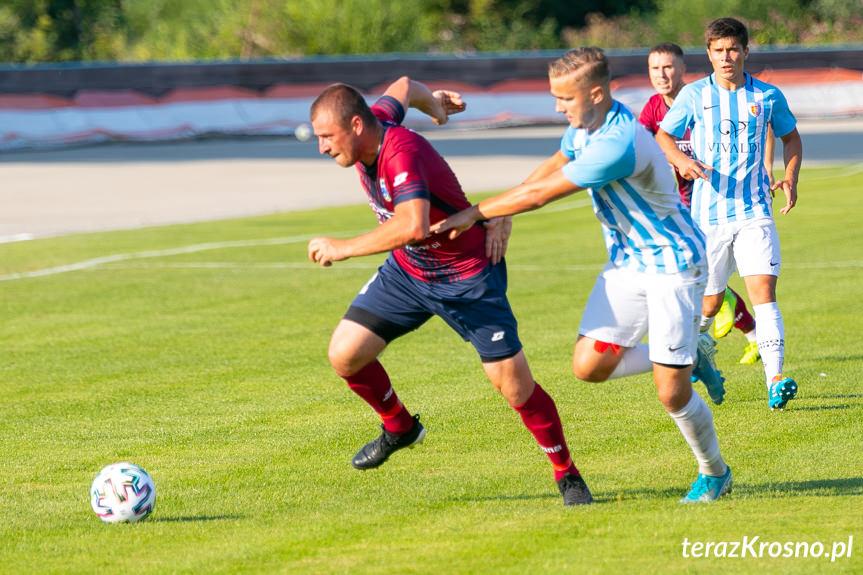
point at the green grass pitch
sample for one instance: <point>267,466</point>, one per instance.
<point>199,353</point>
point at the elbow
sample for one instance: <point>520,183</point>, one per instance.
<point>403,81</point>
<point>416,234</point>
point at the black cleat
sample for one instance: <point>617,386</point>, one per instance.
<point>374,453</point>
<point>574,490</point>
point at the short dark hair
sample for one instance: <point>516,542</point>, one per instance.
<point>727,28</point>
<point>588,61</point>
<point>667,48</point>
<point>344,102</point>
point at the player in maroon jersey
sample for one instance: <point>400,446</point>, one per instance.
<point>408,184</point>
<point>665,69</point>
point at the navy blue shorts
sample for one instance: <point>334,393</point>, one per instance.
<point>393,303</point>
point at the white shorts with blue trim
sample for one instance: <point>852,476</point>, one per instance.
<point>752,246</point>
<point>625,305</point>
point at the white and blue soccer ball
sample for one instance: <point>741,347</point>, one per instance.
<point>122,492</point>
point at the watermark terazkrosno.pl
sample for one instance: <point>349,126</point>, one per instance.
<point>756,548</point>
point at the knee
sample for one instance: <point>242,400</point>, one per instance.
<point>344,362</point>
<point>675,398</point>
<point>590,373</point>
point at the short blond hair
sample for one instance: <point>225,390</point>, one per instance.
<point>588,62</point>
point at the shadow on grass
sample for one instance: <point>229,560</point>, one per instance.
<point>841,358</point>
<point>820,407</point>
<point>796,404</point>
<point>197,518</point>
<point>816,487</point>
<point>819,487</point>
<point>787,489</point>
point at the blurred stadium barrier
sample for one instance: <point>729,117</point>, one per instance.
<point>46,106</point>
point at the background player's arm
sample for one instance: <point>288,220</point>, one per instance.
<point>687,167</point>
<point>438,105</point>
<point>408,225</point>
<point>769,152</point>
<point>792,151</point>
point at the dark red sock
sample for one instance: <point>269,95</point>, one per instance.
<point>539,415</point>
<point>743,320</point>
<point>373,384</point>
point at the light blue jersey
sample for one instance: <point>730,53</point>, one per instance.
<point>634,195</point>
<point>728,131</point>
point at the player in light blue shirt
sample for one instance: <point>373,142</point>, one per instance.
<point>728,114</point>
<point>655,277</point>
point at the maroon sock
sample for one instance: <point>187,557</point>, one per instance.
<point>743,320</point>
<point>373,384</point>
<point>540,416</point>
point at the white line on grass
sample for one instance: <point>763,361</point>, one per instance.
<point>364,266</point>
<point>96,262</point>
<point>105,261</point>
<point>102,261</point>
<point>16,238</point>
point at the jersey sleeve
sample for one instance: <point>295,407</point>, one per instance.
<point>388,109</point>
<point>605,159</point>
<point>648,116</point>
<point>404,176</point>
<point>566,143</point>
<point>679,117</point>
<point>782,120</point>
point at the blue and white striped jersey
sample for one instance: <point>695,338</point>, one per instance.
<point>728,131</point>
<point>634,195</point>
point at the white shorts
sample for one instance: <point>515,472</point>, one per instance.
<point>625,305</point>
<point>753,245</point>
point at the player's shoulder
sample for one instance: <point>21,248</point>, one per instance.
<point>619,129</point>
<point>690,89</point>
<point>400,140</point>
<point>652,106</point>
<point>654,101</point>
<point>765,87</point>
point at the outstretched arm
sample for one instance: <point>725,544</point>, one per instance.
<point>524,198</point>
<point>438,105</point>
<point>498,230</point>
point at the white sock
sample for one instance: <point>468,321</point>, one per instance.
<point>696,424</point>
<point>770,335</point>
<point>705,324</point>
<point>633,360</point>
<point>750,336</point>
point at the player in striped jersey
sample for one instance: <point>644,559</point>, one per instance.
<point>665,70</point>
<point>655,277</point>
<point>728,114</point>
<point>463,281</point>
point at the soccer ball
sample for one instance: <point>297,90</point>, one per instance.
<point>303,132</point>
<point>122,492</point>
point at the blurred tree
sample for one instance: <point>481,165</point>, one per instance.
<point>473,25</point>
<point>354,26</point>
<point>135,30</point>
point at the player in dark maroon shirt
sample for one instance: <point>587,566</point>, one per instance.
<point>665,69</point>
<point>408,184</point>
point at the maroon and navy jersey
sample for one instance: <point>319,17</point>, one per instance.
<point>408,167</point>
<point>651,116</point>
